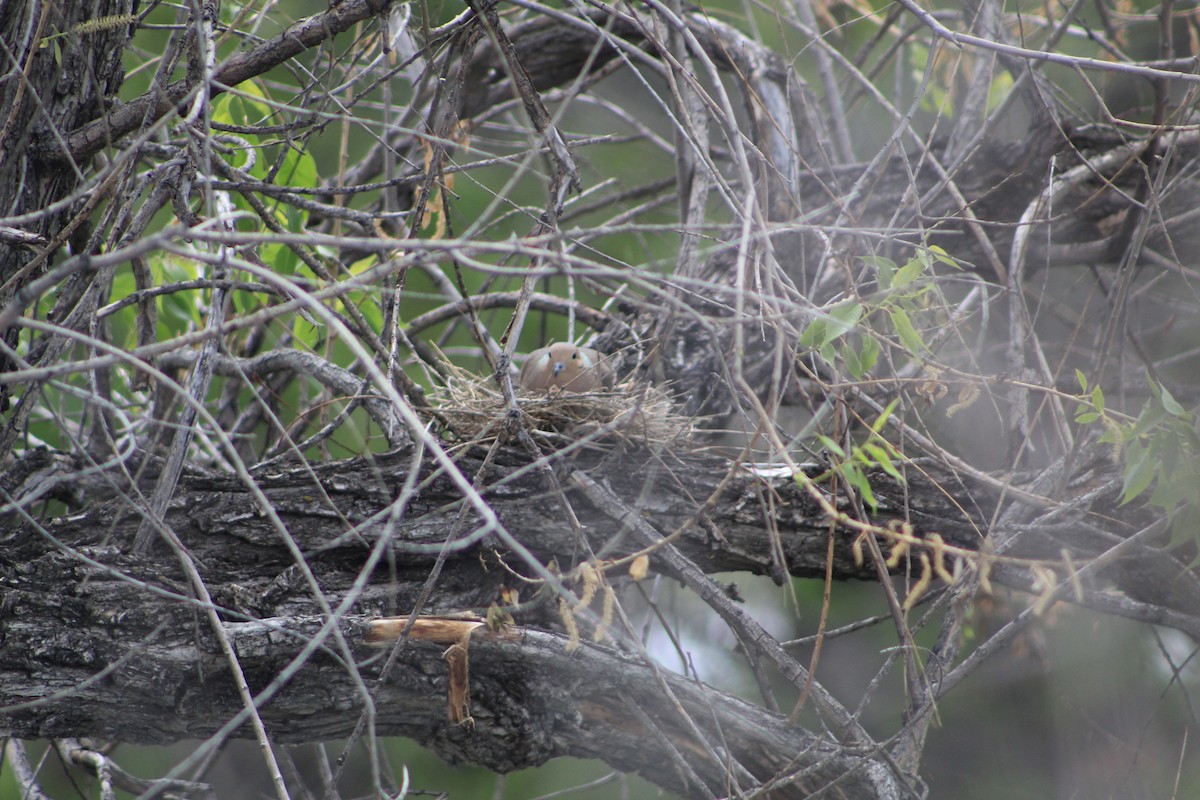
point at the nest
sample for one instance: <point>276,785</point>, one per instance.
<point>473,411</point>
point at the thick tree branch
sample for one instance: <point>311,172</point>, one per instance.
<point>108,676</point>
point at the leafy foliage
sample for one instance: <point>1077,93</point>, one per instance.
<point>1160,450</point>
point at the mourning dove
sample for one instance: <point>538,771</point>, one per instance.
<point>567,367</point>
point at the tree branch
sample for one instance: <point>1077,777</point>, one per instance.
<point>84,142</point>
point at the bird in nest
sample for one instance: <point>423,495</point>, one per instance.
<point>566,368</point>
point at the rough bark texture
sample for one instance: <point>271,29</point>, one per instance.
<point>163,685</point>
<point>339,510</point>
<point>100,642</point>
<point>103,643</point>
<point>60,87</point>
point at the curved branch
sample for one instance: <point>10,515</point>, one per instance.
<point>310,32</point>
<point>593,318</point>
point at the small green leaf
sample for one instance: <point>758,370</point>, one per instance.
<point>942,256</point>
<point>368,306</point>
<point>857,479</point>
<point>845,316</point>
<point>885,268</point>
<point>1082,381</point>
<point>1168,494</point>
<point>1171,404</point>
<point>833,447</point>
<point>853,362</point>
<point>1139,471</point>
<point>822,332</point>
<point>884,416</point>
<point>882,459</point>
<point>908,273</point>
<point>869,354</point>
<point>906,331</point>
<point>814,334</point>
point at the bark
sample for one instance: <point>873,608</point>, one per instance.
<point>163,685</point>
<point>101,642</point>
<point>104,643</point>
<point>339,510</point>
<point>49,92</point>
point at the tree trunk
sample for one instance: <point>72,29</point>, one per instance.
<point>61,74</point>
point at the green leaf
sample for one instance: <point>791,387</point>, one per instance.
<point>906,331</point>
<point>309,331</point>
<point>853,362</point>
<point>909,273</point>
<point>942,256</point>
<point>281,258</point>
<point>1171,404</point>
<point>1167,452</point>
<point>1191,438</point>
<point>823,331</point>
<point>814,334</point>
<point>869,354</point>
<point>882,458</point>
<point>368,306</point>
<point>885,269</point>
<point>884,416</point>
<point>1139,471</point>
<point>1152,414</point>
<point>1082,381</point>
<point>241,108</point>
<point>1169,494</point>
<point>879,263</point>
<point>1185,527</point>
<point>833,447</point>
<point>845,315</point>
<point>857,479</point>
<point>862,359</point>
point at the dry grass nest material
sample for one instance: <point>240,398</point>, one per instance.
<point>629,414</point>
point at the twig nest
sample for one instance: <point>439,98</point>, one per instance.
<point>627,414</point>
